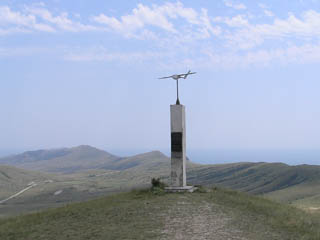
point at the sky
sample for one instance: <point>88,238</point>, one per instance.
<point>86,72</point>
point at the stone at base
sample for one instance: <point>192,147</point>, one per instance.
<point>181,189</point>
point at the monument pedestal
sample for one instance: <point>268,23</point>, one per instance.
<point>181,189</point>
<point>178,150</point>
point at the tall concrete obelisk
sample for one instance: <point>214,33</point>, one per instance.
<point>178,146</point>
<point>178,181</point>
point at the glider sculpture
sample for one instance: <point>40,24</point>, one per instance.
<point>177,77</point>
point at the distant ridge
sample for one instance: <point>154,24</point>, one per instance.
<point>65,160</point>
<point>149,160</point>
<point>83,157</point>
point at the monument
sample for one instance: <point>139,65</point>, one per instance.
<point>178,181</point>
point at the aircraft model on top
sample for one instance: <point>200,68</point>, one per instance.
<point>177,77</point>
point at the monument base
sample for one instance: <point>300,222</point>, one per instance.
<point>181,189</point>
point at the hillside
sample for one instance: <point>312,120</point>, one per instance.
<point>217,214</point>
<point>298,185</point>
<point>256,178</point>
<point>64,160</point>
<point>65,187</point>
<point>146,161</point>
<point>13,179</point>
<point>81,158</point>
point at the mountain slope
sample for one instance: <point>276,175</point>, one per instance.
<point>13,179</point>
<point>135,172</point>
<point>70,160</point>
<point>61,160</point>
<point>257,178</point>
<point>149,160</point>
<point>217,214</point>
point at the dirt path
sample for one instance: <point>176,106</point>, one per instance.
<point>189,220</point>
<point>18,193</point>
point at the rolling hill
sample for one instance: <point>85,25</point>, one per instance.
<point>81,158</point>
<point>65,160</point>
<point>256,178</point>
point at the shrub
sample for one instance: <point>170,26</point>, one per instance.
<point>201,189</point>
<point>156,183</point>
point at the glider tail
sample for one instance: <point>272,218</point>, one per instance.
<point>186,75</point>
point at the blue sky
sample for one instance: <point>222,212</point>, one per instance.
<point>85,72</point>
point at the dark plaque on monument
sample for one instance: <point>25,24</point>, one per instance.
<point>176,142</point>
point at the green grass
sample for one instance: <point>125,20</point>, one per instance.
<point>122,216</point>
<point>287,220</point>
<point>141,215</point>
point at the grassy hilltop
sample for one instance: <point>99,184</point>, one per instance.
<point>144,214</point>
<point>83,173</point>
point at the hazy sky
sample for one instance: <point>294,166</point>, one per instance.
<point>85,72</point>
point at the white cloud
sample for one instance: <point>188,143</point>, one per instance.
<point>206,23</point>
<point>161,17</point>
<point>13,22</point>
<point>266,10</point>
<point>179,33</point>
<point>38,19</point>
<point>268,13</point>
<point>10,17</point>
<point>236,21</point>
<point>103,54</point>
<point>208,59</point>
<point>303,54</point>
<point>306,27</point>
<point>238,6</point>
<point>141,16</point>
<point>262,5</point>
<point>61,21</point>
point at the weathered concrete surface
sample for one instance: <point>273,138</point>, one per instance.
<point>178,146</point>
